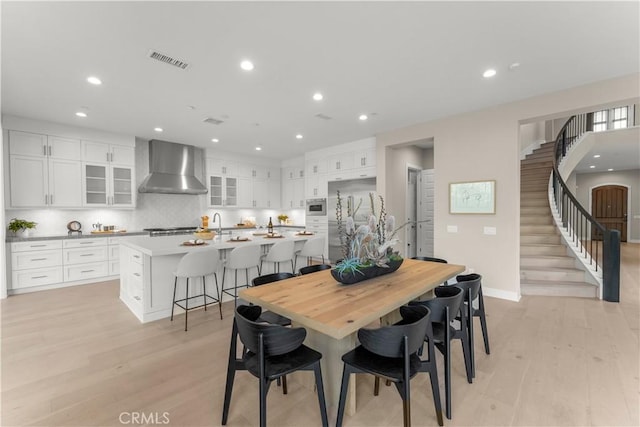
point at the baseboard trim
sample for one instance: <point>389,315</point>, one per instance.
<point>633,241</point>
<point>499,293</point>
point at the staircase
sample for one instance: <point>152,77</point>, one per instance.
<point>545,266</point>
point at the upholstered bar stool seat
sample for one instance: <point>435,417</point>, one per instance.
<point>312,247</point>
<point>240,258</point>
<point>203,263</point>
<point>279,253</point>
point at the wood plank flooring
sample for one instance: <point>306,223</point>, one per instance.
<point>78,357</point>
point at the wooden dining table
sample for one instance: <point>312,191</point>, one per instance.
<point>332,312</point>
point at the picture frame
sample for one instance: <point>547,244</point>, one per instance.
<point>473,197</point>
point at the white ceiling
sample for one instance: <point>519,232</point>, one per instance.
<point>618,150</point>
<point>401,63</point>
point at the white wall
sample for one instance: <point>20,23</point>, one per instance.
<point>484,145</point>
<point>585,182</point>
<point>532,135</point>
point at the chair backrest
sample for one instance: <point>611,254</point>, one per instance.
<point>470,283</point>
<point>446,296</point>
<point>269,278</point>
<point>202,262</point>
<point>313,268</point>
<point>313,247</point>
<point>276,339</point>
<point>428,258</point>
<point>388,341</point>
<point>244,256</point>
<point>281,251</point>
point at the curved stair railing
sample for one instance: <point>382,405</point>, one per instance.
<point>579,224</point>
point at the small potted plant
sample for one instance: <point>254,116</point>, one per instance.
<point>283,218</point>
<point>21,227</point>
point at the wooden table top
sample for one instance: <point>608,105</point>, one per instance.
<point>318,302</point>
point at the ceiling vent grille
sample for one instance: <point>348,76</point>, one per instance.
<point>323,116</point>
<point>154,54</point>
<point>212,121</point>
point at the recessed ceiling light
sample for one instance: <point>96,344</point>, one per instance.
<point>94,80</point>
<point>158,129</point>
<point>489,73</point>
<point>592,167</point>
<point>363,117</point>
<point>246,65</point>
<point>81,114</point>
<point>215,140</point>
<point>595,156</point>
<point>514,65</point>
<point>317,96</point>
<point>609,170</point>
<point>258,148</point>
<point>298,136</point>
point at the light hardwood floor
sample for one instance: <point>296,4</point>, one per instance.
<point>78,357</point>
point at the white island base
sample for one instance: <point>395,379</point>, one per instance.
<point>147,265</point>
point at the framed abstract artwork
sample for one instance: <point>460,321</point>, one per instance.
<point>476,197</point>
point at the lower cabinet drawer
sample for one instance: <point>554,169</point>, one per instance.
<point>82,255</point>
<point>36,277</point>
<point>85,271</point>
<point>36,259</point>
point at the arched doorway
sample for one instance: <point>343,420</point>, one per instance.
<point>609,208</point>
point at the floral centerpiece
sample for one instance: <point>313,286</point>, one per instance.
<point>367,248</point>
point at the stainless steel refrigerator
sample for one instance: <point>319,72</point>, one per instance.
<point>353,190</point>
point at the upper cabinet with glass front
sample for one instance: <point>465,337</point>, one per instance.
<point>108,175</point>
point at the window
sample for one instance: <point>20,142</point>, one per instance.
<point>600,120</point>
<point>620,115</point>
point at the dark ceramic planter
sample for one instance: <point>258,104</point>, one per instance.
<point>365,273</point>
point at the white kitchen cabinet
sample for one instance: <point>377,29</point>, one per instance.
<point>364,158</point>
<point>108,185</point>
<point>35,264</point>
<point>222,167</point>
<point>45,171</point>
<point>100,152</point>
<point>316,186</point>
<point>316,167</point>
<point>229,191</point>
<point>266,188</point>
<point>293,194</point>
<point>245,193</point>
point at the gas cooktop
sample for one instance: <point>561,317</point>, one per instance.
<point>170,231</point>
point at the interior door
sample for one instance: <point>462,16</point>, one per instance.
<point>609,208</point>
<point>412,212</point>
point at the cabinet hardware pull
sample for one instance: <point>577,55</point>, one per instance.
<point>86,271</point>
<point>44,150</point>
<point>86,243</point>
<point>137,256</point>
<point>49,150</point>
<point>51,199</point>
<point>38,277</point>
<point>39,259</point>
<point>37,246</point>
<point>136,274</point>
<point>87,254</point>
<point>137,297</point>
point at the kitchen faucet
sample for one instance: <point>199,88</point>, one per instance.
<point>216,214</point>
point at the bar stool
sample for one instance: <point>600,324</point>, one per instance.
<point>312,247</point>
<point>202,263</point>
<point>240,258</point>
<point>279,252</point>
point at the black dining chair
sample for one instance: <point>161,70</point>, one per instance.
<point>313,268</point>
<point>472,285</point>
<point>270,352</point>
<point>444,308</point>
<point>390,352</point>
<point>269,316</point>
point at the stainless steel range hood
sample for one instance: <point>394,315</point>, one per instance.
<point>172,169</point>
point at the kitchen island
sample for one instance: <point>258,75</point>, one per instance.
<point>147,265</point>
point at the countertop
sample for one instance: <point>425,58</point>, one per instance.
<point>10,238</point>
<point>170,245</point>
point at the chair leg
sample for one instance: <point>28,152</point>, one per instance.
<point>376,386</point>
<point>186,304</point>
<point>483,322</point>
<point>406,412</point>
<point>435,387</point>
<point>466,351</point>
<point>343,395</point>
<point>284,384</point>
<point>175,285</point>
<point>235,288</point>
<point>231,372</point>
<point>320,390</point>
<point>447,378</point>
<point>263,403</point>
<point>215,276</point>
<point>204,291</point>
<point>472,355</point>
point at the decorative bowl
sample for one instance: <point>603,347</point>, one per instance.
<point>205,235</point>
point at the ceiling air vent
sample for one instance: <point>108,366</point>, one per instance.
<point>154,54</point>
<point>323,116</point>
<point>212,121</point>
